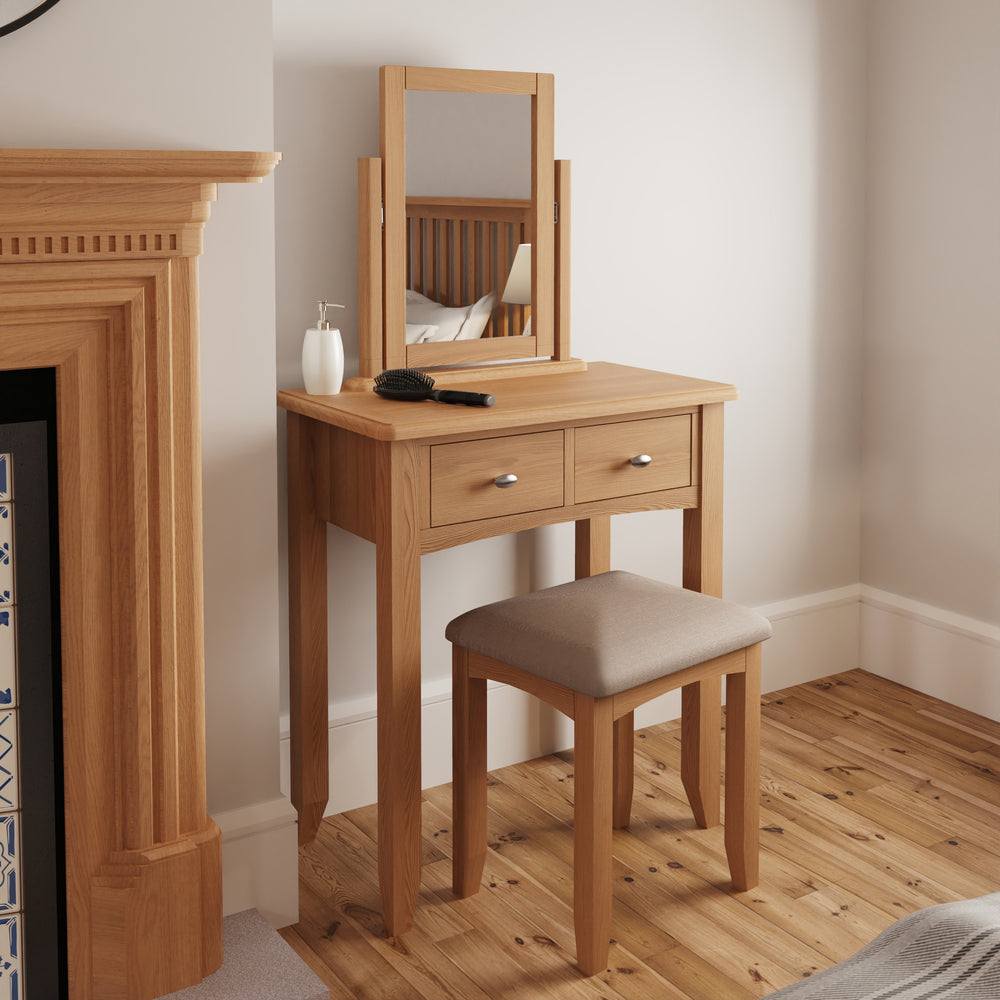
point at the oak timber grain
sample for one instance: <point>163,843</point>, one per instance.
<point>463,477</point>
<point>601,391</point>
<point>543,244</point>
<point>392,150</point>
<point>307,630</point>
<point>743,771</point>
<point>370,347</point>
<point>397,557</point>
<point>603,457</point>
<point>592,823</point>
<point>561,263</point>
<point>445,536</point>
<point>593,546</point>
<point>467,352</point>
<point>137,166</point>
<point>469,756</point>
<point>702,571</point>
<point>117,318</point>
<point>478,81</point>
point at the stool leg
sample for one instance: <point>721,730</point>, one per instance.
<point>593,768</point>
<point>624,769</point>
<point>701,759</point>
<point>743,772</point>
<point>469,775</point>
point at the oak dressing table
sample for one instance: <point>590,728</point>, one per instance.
<point>583,441</point>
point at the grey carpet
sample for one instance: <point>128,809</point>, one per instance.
<point>257,965</point>
<point>948,951</point>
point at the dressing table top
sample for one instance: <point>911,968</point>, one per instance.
<point>602,390</point>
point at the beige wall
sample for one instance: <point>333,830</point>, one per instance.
<point>931,510</point>
<point>931,527</point>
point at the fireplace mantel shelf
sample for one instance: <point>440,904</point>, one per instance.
<point>98,280</point>
<point>135,165</point>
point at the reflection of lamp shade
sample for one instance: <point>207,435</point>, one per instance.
<point>518,290</point>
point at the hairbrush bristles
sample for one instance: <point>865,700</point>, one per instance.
<point>405,379</point>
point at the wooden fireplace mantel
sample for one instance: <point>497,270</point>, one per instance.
<point>113,204</point>
<point>98,280</point>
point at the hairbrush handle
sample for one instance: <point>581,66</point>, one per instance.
<point>458,396</point>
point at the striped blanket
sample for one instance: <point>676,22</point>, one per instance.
<point>949,951</point>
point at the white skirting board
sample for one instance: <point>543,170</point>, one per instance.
<point>941,653</point>
<point>814,635</point>
<point>260,857</point>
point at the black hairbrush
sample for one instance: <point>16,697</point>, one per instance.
<point>409,383</point>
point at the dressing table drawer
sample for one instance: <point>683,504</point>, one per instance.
<point>469,479</point>
<point>611,459</point>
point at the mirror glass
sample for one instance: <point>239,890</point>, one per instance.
<point>465,146</point>
<point>468,145</point>
<point>468,176</point>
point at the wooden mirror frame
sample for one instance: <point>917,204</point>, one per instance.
<point>382,249</point>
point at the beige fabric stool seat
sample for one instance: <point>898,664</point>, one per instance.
<point>596,649</point>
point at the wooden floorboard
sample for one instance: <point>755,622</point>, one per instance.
<point>876,800</point>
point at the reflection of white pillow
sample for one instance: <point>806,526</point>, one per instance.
<point>479,316</point>
<point>422,311</point>
<point>421,333</point>
<point>449,323</point>
<point>416,299</point>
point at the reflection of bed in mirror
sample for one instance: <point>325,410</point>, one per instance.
<point>459,253</point>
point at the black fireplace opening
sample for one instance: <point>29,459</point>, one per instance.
<point>28,437</point>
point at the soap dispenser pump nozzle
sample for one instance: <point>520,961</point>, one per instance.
<point>324,323</point>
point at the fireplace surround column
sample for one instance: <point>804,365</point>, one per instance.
<point>98,280</point>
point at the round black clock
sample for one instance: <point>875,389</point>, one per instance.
<point>16,14</point>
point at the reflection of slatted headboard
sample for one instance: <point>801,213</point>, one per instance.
<point>459,249</point>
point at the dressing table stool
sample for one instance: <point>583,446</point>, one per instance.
<point>596,649</point>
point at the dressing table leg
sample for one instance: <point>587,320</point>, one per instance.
<point>397,569</point>
<point>593,546</point>
<point>307,625</point>
<point>701,703</point>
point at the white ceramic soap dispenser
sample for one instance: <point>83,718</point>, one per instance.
<point>323,356</point>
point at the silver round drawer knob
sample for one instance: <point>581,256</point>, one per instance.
<point>506,480</point>
<point>640,460</point>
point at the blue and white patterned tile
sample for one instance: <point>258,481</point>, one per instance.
<point>9,776</point>
<point>10,864</point>
<point>6,553</point>
<point>11,949</point>
<point>8,675</point>
<point>6,482</point>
